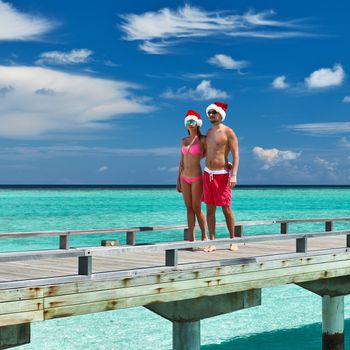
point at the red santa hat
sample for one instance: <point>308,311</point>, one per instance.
<point>220,107</point>
<point>193,115</point>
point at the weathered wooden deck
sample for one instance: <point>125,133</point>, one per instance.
<point>108,261</point>
<point>44,285</point>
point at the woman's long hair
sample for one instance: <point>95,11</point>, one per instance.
<point>199,133</point>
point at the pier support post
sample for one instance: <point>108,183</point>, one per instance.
<point>332,323</point>
<point>332,291</point>
<point>186,335</point>
<point>14,335</point>
<point>186,314</point>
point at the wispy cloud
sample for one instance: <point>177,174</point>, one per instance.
<point>326,77</point>
<point>102,169</point>
<point>5,90</point>
<point>344,142</point>
<point>199,75</point>
<point>227,62</point>
<point>53,101</point>
<point>74,56</point>
<point>346,99</point>
<point>159,30</point>
<point>203,91</point>
<point>279,83</point>
<point>322,128</point>
<point>15,25</point>
<point>55,151</point>
<point>327,165</point>
<point>166,169</point>
<point>273,156</point>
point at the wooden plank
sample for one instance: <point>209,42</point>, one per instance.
<point>73,232</point>
<point>180,286</point>
<point>21,317</point>
<point>115,304</point>
<point>160,228</point>
<point>21,294</point>
<point>284,227</point>
<point>64,241</point>
<point>131,238</point>
<point>21,306</point>
<point>209,269</point>
<point>219,241</point>
<point>130,273</point>
<point>41,254</point>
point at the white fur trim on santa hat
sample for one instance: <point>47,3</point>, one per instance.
<point>194,117</point>
<point>218,109</point>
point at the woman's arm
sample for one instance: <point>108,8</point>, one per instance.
<point>181,166</point>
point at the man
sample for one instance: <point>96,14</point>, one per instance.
<point>218,182</point>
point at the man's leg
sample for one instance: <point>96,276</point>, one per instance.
<point>211,209</point>
<point>230,222</point>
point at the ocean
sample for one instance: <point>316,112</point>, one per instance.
<point>289,317</point>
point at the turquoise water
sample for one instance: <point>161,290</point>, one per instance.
<point>289,317</point>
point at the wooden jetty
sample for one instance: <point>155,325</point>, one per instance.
<point>176,280</point>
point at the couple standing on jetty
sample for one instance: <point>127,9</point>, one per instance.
<point>214,187</point>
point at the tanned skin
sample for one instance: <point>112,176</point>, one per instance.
<point>220,141</point>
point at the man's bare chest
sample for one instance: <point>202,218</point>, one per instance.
<point>216,140</point>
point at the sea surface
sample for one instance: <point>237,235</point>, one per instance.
<point>289,317</point>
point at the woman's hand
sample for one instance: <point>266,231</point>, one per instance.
<point>178,187</point>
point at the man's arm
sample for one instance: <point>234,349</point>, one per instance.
<point>204,145</point>
<point>233,146</point>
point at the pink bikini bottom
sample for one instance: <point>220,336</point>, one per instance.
<point>191,180</point>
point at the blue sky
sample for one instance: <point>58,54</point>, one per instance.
<point>95,92</point>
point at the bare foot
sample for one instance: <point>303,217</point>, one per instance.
<point>233,247</point>
<point>204,238</point>
<point>210,249</point>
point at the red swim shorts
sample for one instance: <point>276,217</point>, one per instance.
<point>216,189</point>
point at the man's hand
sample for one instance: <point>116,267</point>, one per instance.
<point>228,166</point>
<point>232,181</point>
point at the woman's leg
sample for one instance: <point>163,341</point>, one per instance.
<point>191,219</point>
<point>197,192</point>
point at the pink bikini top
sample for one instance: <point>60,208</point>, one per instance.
<point>191,149</point>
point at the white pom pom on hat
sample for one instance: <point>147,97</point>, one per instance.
<point>193,115</point>
<point>220,107</point>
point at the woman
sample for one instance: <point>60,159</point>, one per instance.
<point>190,181</point>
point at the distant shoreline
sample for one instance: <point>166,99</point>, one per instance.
<point>108,187</point>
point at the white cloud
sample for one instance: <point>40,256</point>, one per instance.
<point>227,62</point>
<point>271,35</point>
<point>103,169</point>
<point>271,157</point>
<point>326,77</point>
<point>322,128</point>
<point>199,75</point>
<point>346,99</point>
<point>280,83</point>
<point>344,142</point>
<point>15,25</point>
<point>154,48</point>
<point>170,170</point>
<point>55,151</point>
<point>52,101</point>
<point>166,27</point>
<point>329,166</point>
<point>72,57</point>
<point>203,91</point>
